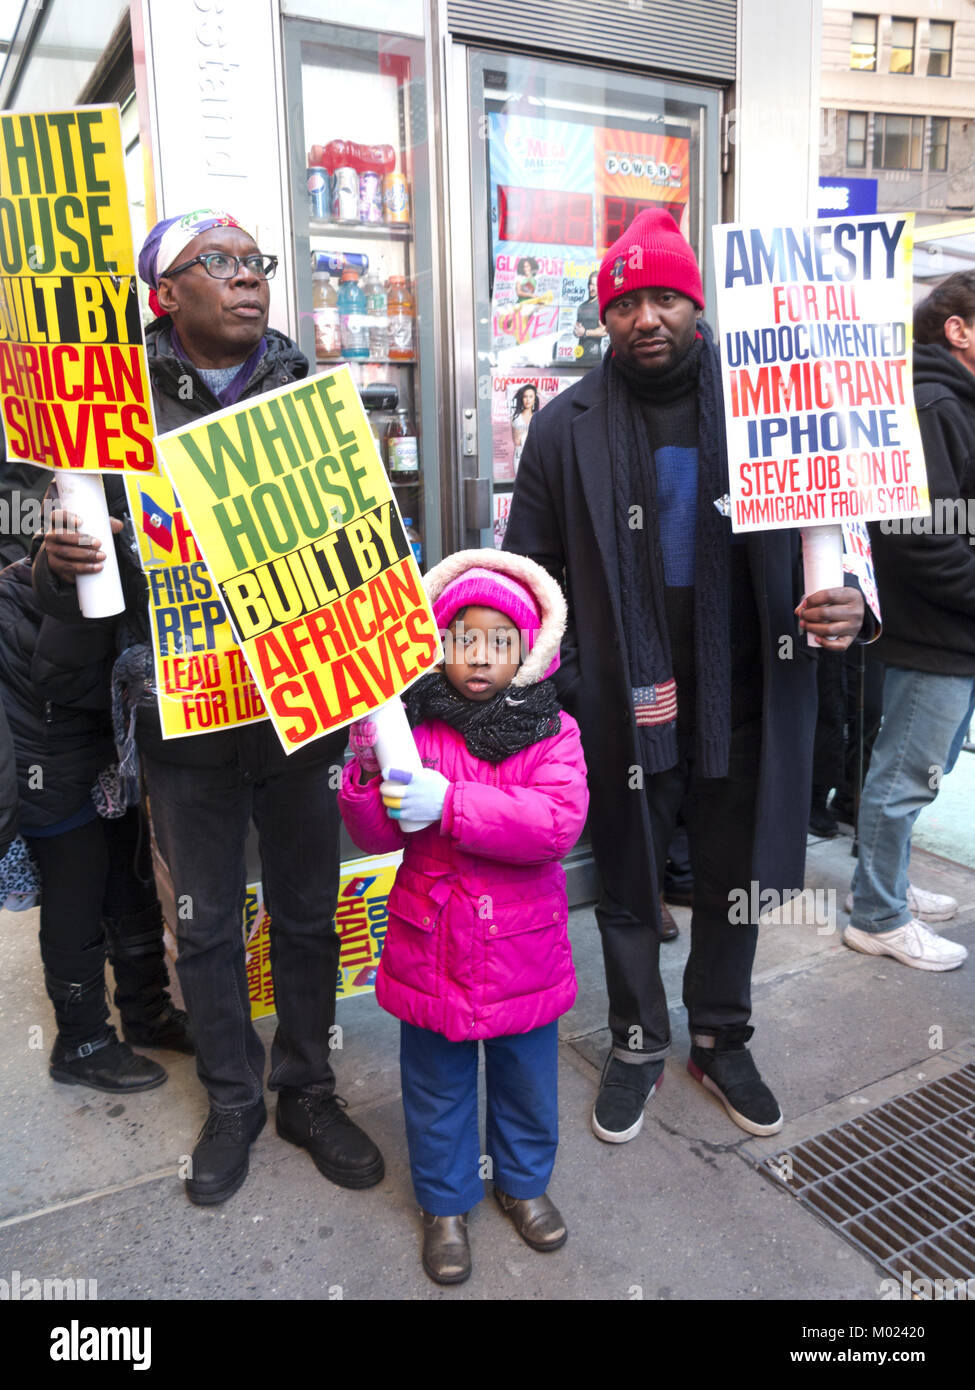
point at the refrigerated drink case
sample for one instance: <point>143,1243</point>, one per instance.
<point>356,97</point>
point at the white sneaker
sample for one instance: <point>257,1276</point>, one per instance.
<point>911,944</point>
<point>936,907</point>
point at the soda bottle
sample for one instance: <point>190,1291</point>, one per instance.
<point>374,290</point>
<point>328,335</point>
<point>413,536</point>
<point>369,160</point>
<point>401,315</point>
<point>319,184</point>
<point>352,316</point>
<point>402,450</point>
<point>340,158</point>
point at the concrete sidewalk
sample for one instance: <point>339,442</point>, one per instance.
<point>89,1186</point>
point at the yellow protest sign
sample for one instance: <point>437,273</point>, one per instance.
<point>72,360</point>
<point>361,919</point>
<point>202,680</point>
<point>296,520</point>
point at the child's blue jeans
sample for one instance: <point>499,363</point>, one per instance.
<point>439,1081</point>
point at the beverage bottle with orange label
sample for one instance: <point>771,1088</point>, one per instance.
<point>401,313</point>
<point>325,305</point>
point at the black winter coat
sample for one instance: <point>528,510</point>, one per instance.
<point>562,515</point>
<point>181,396</point>
<point>927,581</point>
<point>54,683</point>
<point>8,786</point>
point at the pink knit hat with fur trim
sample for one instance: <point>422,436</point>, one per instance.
<point>484,588</point>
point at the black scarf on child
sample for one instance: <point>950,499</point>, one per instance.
<point>641,564</point>
<point>492,729</point>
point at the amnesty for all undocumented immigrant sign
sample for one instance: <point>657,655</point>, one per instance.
<point>815,338</point>
<point>294,514</point>
<point>72,361</point>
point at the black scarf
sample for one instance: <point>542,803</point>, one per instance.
<point>640,559</point>
<point>492,729</point>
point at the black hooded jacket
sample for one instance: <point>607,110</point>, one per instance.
<point>926,571</point>
<point>54,686</point>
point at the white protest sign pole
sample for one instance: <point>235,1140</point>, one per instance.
<point>822,561</point>
<point>99,595</point>
<point>396,748</point>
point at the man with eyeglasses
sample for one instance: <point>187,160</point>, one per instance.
<point>211,347</point>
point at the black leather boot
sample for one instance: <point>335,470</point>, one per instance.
<point>138,956</point>
<point>100,1061</point>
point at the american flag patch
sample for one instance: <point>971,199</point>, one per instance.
<point>656,704</point>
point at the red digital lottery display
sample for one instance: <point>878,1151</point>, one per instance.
<point>545,216</point>
<point>619,212</point>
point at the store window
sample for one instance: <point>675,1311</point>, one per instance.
<point>863,46</point>
<point>902,45</point>
<point>564,158</point>
<point>898,142</point>
<point>939,56</point>
<point>856,139</point>
<point>938,157</point>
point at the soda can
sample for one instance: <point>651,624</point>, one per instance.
<point>396,198</point>
<point>334,262</point>
<point>370,196</point>
<point>319,200</point>
<point>345,195</point>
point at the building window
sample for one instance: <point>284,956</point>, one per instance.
<point>898,142</point>
<point>938,158</point>
<point>863,46</point>
<point>856,139</point>
<point>939,57</point>
<point>902,45</point>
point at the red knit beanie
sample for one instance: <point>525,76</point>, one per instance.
<point>651,252</point>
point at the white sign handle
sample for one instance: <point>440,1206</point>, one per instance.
<point>396,748</point>
<point>99,595</point>
<point>822,561</point>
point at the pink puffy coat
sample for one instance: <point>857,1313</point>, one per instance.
<point>477,945</point>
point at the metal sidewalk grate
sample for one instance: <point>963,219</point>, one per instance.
<point>899,1183</point>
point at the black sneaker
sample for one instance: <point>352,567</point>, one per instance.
<point>624,1089</point>
<point>341,1150</point>
<point>729,1072</point>
<point>822,823</point>
<point>220,1159</point>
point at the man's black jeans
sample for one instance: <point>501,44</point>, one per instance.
<point>720,817</point>
<point>201,817</point>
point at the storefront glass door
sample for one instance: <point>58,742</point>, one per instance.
<point>563,157</point>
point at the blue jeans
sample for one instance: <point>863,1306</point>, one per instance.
<point>201,816</point>
<point>439,1079</point>
<point>926,718</point>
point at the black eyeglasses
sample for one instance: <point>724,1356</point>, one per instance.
<point>223,267</point>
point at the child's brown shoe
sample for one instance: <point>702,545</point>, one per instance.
<point>536,1219</point>
<point>446,1249</point>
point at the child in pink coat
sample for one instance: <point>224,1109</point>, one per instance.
<point>477,946</point>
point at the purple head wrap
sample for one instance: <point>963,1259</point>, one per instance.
<point>163,245</point>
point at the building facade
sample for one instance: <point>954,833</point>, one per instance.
<point>898,108</point>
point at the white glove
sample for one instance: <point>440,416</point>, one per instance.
<point>415,796</point>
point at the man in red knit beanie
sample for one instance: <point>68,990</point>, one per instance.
<point>671,665</point>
